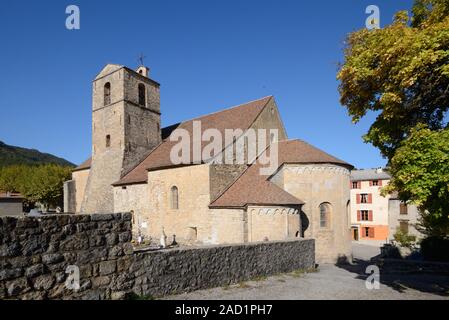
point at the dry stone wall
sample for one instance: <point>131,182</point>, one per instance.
<point>35,254</point>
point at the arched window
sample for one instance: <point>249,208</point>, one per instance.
<point>142,95</point>
<point>174,201</point>
<point>325,215</point>
<point>108,141</point>
<point>107,93</point>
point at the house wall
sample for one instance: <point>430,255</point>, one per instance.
<point>135,199</point>
<point>11,207</point>
<point>194,198</point>
<point>378,206</point>
<point>317,184</point>
<point>227,226</point>
<point>80,178</point>
<point>395,218</point>
<point>272,223</point>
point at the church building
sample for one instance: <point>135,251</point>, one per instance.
<point>206,202</point>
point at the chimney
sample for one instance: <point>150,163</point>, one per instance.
<point>144,71</point>
<point>379,170</point>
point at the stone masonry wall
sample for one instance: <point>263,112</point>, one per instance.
<point>35,254</point>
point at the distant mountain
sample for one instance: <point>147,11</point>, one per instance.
<point>10,155</point>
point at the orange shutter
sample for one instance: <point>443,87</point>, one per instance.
<point>358,198</point>
<point>371,232</point>
<point>370,215</point>
<point>370,198</point>
<point>359,215</point>
<point>359,184</point>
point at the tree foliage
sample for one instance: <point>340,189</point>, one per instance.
<point>420,172</point>
<point>42,183</point>
<point>400,72</point>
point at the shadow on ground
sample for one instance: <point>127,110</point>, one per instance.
<point>429,283</point>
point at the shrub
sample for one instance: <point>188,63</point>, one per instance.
<point>435,249</point>
<point>404,239</point>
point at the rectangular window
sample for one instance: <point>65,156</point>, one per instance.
<point>375,183</point>
<point>403,208</point>
<point>367,233</point>
<point>364,215</point>
<point>403,226</point>
<point>363,198</point>
<point>355,185</point>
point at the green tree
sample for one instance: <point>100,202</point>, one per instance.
<point>12,178</point>
<point>43,183</point>
<point>401,72</point>
<point>420,171</point>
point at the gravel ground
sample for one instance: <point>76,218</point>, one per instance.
<point>330,283</point>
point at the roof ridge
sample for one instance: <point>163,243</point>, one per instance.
<point>319,149</point>
<point>219,111</point>
<point>244,171</point>
<point>230,185</point>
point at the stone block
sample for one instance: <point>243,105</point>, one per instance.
<point>44,282</point>
<point>18,286</point>
<point>10,249</point>
<point>102,217</point>
<point>107,267</point>
<point>52,258</point>
<point>9,274</point>
<point>34,271</point>
<point>111,239</point>
<point>101,281</point>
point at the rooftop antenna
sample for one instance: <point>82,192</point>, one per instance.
<point>141,58</point>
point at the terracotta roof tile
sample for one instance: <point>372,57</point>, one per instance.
<point>12,195</point>
<point>239,117</point>
<point>83,166</point>
<point>298,151</point>
<point>253,188</point>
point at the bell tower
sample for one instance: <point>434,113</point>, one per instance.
<point>125,127</point>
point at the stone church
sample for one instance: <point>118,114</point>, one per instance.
<point>130,170</point>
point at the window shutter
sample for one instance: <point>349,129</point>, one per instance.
<point>370,215</point>
<point>370,183</point>
<point>359,215</point>
<point>358,198</point>
<point>359,184</point>
<point>350,184</point>
<point>371,232</point>
<point>380,183</point>
<point>370,198</point>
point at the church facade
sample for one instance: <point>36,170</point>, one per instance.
<point>207,202</point>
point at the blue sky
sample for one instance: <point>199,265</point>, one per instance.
<point>207,55</point>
